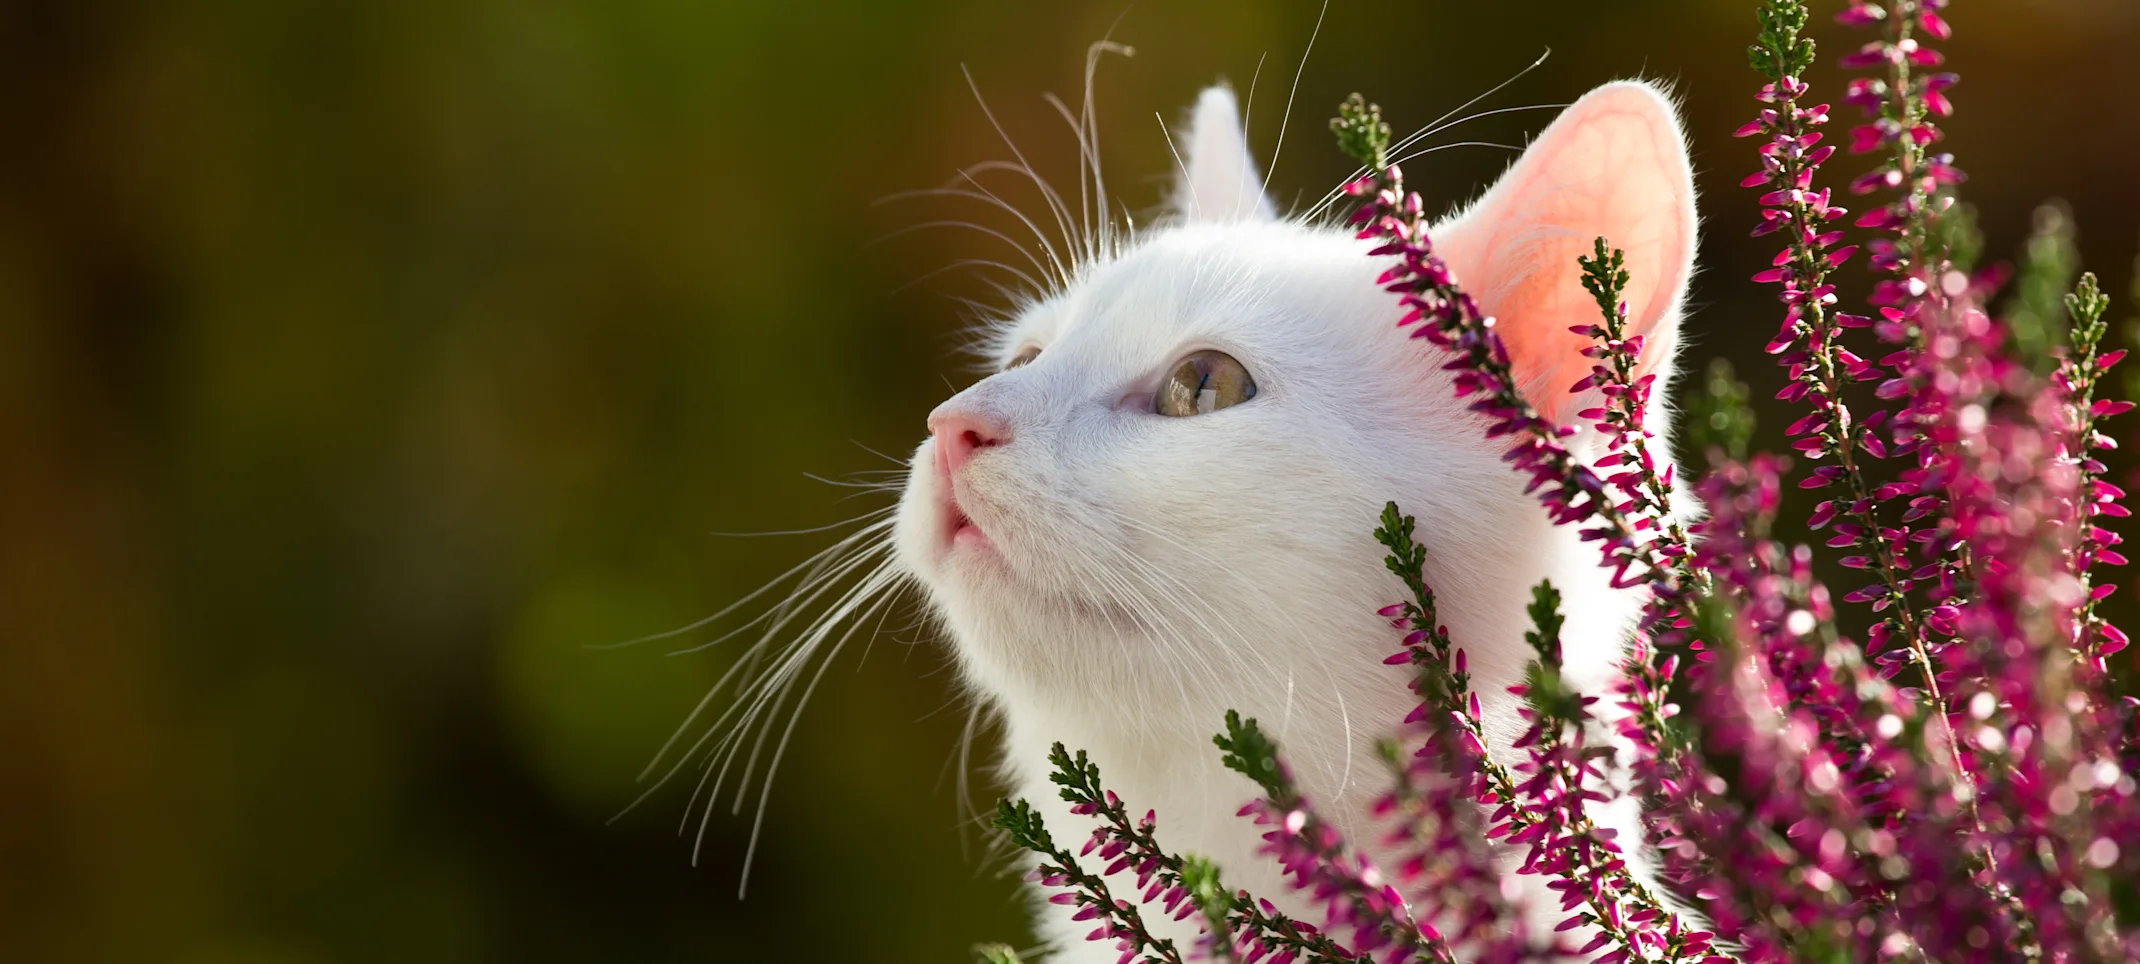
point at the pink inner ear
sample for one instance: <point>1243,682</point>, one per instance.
<point>1612,165</point>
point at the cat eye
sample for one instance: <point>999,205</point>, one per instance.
<point>1024,357</point>
<point>1203,383</point>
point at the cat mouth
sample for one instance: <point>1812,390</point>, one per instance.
<point>959,528</point>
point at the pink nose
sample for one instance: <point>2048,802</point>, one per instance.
<point>960,434</point>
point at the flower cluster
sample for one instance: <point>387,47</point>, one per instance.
<point>1959,785</point>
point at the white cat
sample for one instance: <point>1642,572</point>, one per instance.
<point>1161,505</point>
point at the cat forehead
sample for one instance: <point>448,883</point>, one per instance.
<point>1232,282</point>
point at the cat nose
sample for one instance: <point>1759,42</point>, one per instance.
<point>959,434</point>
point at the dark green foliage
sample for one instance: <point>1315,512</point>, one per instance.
<point>1406,556</point>
<point>1545,615</point>
<point>1781,52</point>
<point>1440,681</point>
<point>1544,690</point>
<point>2085,307</point>
<point>1078,776</point>
<point>1605,277</point>
<point>1361,134</point>
<point>1255,756</point>
<point>1025,827</point>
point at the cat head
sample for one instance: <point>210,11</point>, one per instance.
<point>1165,493</point>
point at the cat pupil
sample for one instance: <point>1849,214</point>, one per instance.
<point>1203,383</point>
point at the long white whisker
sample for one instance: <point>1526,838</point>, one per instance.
<point>1424,151</point>
<point>902,464</point>
<point>968,812</point>
<point>1085,161</point>
<point>1344,715</point>
<point>1063,265</point>
<point>750,851</point>
<point>742,665</point>
<point>761,689</point>
<point>974,263</point>
<point>767,687</point>
<point>965,225</point>
<point>1055,201</point>
<point>1331,196</point>
<point>1196,208</point>
<point>827,527</point>
<point>685,757</point>
<point>1090,112</point>
<point>785,611</point>
<point>866,487</point>
<point>978,193</point>
<point>871,644</point>
<point>866,599</point>
<point>1435,125</point>
<point>1430,131</point>
<point>1495,89</point>
<point>1248,108</point>
<point>1287,118</point>
<point>732,607</point>
<point>753,693</point>
<point>775,685</point>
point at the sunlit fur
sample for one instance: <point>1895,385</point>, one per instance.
<point>1144,574</point>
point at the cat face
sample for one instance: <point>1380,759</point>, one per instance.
<point>1097,519</point>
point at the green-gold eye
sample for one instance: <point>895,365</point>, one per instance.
<point>1024,357</point>
<point>1203,383</point>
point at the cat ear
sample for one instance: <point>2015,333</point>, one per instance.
<point>1614,165</point>
<point>1218,180</point>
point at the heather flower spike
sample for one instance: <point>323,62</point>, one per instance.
<point>1237,925</point>
<point>2080,371</point>
<point>1118,919</point>
<point>1810,344</point>
<point>1354,894</point>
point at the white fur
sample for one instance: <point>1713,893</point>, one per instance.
<point>1145,573</point>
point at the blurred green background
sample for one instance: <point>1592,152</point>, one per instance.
<point>361,365</point>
